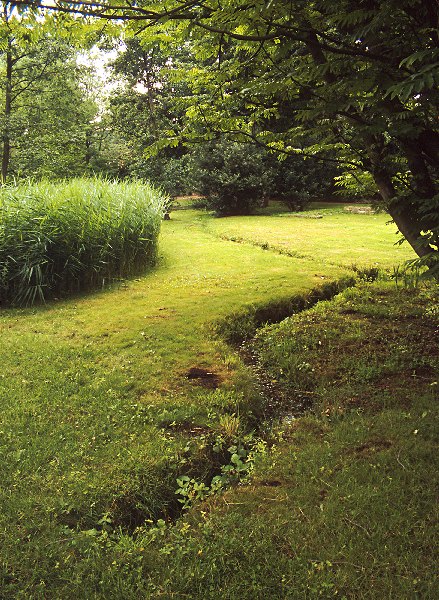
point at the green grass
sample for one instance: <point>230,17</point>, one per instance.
<point>62,238</point>
<point>338,237</point>
<point>98,417</point>
<point>344,504</point>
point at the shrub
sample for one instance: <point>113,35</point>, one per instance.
<point>238,177</point>
<point>231,175</point>
<point>57,239</point>
<point>296,181</point>
<point>169,173</point>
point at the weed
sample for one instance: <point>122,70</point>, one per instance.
<point>229,425</point>
<point>241,460</point>
<point>408,276</point>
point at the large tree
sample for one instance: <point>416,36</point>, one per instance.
<point>144,108</point>
<point>359,77</point>
<point>47,111</point>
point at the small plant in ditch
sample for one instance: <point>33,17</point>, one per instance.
<point>236,458</point>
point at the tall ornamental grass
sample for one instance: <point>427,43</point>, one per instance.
<point>61,238</point>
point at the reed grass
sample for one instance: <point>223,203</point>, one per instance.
<point>61,238</point>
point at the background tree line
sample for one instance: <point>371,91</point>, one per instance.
<point>347,83</point>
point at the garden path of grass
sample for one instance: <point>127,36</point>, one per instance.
<point>86,386</point>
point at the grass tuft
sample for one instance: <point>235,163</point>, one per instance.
<point>61,238</point>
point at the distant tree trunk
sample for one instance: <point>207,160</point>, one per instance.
<point>6,135</point>
<point>88,148</point>
<point>148,81</point>
<point>150,92</point>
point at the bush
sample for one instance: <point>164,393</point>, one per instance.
<point>57,239</point>
<point>238,177</point>
<point>232,176</point>
<point>296,181</point>
<point>169,173</point>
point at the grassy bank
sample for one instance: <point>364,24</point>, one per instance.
<point>101,412</point>
<point>344,503</point>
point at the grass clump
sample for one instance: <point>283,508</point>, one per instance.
<point>61,238</point>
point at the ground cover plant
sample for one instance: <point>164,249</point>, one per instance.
<point>108,398</point>
<point>59,238</point>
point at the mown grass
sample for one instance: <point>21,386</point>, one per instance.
<point>99,417</point>
<point>324,239</point>
<point>66,237</point>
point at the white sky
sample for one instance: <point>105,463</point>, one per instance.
<point>99,59</point>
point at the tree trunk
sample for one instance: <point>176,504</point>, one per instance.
<point>403,212</point>
<point>423,183</point>
<point>88,149</point>
<point>6,135</point>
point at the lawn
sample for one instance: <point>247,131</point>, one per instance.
<point>324,234</point>
<point>99,409</point>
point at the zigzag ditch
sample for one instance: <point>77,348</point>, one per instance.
<point>219,460</point>
<point>243,324</point>
<point>240,328</point>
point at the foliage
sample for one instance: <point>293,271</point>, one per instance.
<point>314,78</point>
<point>171,174</point>
<point>232,176</point>
<point>52,120</point>
<point>297,181</point>
<point>47,112</point>
<point>238,177</point>
<point>356,185</point>
<point>147,109</point>
<point>141,110</point>
<point>56,239</point>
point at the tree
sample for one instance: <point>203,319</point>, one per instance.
<point>236,177</point>
<point>46,112</point>
<point>143,110</point>
<point>53,118</point>
<point>308,77</point>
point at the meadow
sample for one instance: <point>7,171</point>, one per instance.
<point>108,398</point>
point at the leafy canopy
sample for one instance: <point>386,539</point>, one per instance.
<point>310,77</point>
